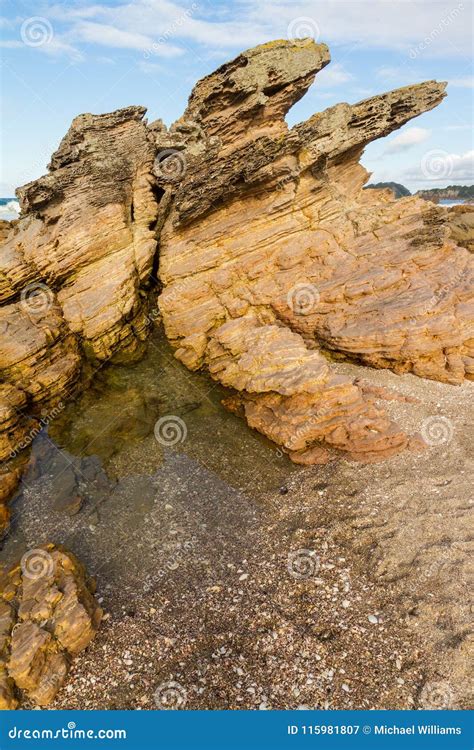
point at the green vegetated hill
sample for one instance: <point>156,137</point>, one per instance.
<point>400,191</point>
<point>452,192</point>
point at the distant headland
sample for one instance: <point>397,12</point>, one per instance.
<point>452,192</point>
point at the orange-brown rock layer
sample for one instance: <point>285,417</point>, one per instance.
<point>48,614</point>
<point>461,225</point>
<point>270,232</point>
<point>74,266</point>
<point>272,257</point>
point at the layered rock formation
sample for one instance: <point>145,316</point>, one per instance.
<point>272,257</point>
<point>270,230</point>
<point>461,223</point>
<point>73,267</point>
<point>48,614</point>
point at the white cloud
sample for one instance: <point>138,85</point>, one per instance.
<point>417,28</point>
<point>458,127</point>
<point>164,22</point>
<point>109,36</point>
<point>467,82</point>
<point>441,166</point>
<point>406,139</point>
<point>55,47</point>
<point>423,28</point>
<point>150,68</point>
<point>332,75</point>
<point>388,73</point>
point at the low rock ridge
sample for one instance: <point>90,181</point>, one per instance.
<point>272,259</point>
<point>48,614</point>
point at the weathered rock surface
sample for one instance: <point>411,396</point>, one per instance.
<point>73,266</point>
<point>270,230</point>
<point>461,224</point>
<point>48,614</point>
<point>273,259</point>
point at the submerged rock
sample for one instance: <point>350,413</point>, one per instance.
<point>48,614</point>
<point>273,259</point>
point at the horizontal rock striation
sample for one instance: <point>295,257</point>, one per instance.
<point>461,224</point>
<point>272,258</point>
<point>48,614</point>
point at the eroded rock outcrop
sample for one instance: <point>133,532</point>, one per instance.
<point>272,257</point>
<point>270,230</point>
<point>73,267</point>
<point>48,614</point>
<point>461,223</point>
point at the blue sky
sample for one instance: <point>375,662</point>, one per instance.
<point>66,57</point>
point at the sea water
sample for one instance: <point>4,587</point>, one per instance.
<point>9,209</point>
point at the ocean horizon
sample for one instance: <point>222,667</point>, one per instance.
<point>10,207</point>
